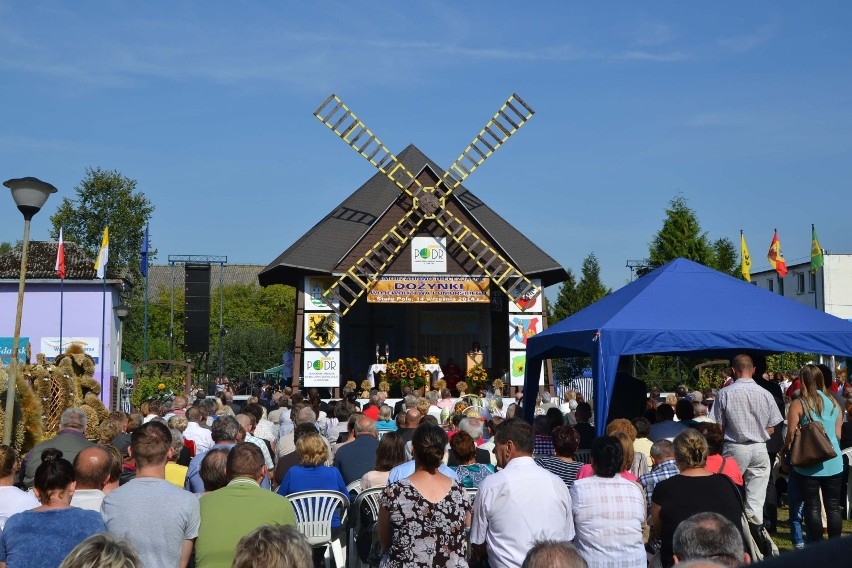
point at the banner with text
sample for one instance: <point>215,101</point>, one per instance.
<point>429,290</point>
<point>91,346</point>
<point>6,344</point>
<point>321,369</point>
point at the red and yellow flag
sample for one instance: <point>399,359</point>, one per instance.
<point>776,257</point>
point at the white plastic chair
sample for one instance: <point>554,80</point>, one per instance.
<point>368,499</point>
<point>354,488</point>
<point>314,512</point>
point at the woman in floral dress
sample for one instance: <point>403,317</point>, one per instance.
<point>422,518</point>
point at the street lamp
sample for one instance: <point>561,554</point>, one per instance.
<point>30,195</point>
<point>121,312</point>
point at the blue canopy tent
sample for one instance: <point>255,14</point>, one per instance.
<point>681,308</point>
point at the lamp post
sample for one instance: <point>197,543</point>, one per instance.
<point>121,312</point>
<point>30,195</point>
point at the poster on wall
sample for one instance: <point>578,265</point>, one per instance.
<point>429,290</point>
<point>315,287</point>
<point>521,328</point>
<point>322,331</point>
<point>428,254</point>
<point>528,304</point>
<point>518,360</point>
<point>6,344</point>
<point>321,369</point>
<point>91,346</point>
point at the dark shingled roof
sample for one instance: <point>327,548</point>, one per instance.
<point>319,250</point>
<point>41,262</point>
<point>160,276</point>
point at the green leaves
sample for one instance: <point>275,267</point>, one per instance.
<point>107,198</point>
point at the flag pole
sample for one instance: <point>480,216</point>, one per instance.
<point>103,335</point>
<point>816,303</point>
<point>61,312</point>
<point>145,324</point>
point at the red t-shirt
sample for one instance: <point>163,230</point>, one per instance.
<point>731,469</point>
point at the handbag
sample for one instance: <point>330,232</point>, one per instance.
<point>810,444</point>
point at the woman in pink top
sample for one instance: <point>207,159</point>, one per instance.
<point>716,463</point>
<point>627,445</point>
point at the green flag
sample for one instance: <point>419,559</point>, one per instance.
<point>816,252</point>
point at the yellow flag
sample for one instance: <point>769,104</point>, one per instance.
<point>745,259</point>
<point>103,255</point>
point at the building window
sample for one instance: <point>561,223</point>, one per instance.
<point>770,284</point>
<point>812,283</point>
<point>800,283</point>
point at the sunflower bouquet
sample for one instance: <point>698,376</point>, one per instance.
<point>477,376</point>
<point>408,372</point>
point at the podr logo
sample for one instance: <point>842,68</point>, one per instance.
<point>323,364</point>
<point>432,252</point>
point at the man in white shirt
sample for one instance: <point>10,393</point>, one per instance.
<point>195,432</point>
<point>519,504</point>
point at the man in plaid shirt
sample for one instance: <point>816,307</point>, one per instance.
<point>663,458</point>
<point>748,415</point>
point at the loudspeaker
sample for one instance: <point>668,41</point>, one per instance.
<point>196,313</point>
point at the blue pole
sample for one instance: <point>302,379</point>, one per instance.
<point>145,324</point>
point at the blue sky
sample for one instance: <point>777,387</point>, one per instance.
<point>744,107</point>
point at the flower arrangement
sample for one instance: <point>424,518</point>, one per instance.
<point>478,376</point>
<point>408,372</point>
<point>433,360</point>
<point>152,384</point>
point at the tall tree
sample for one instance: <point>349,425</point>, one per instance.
<point>107,198</point>
<point>682,236</point>
<point>590,288</point>
<point>567,302</point>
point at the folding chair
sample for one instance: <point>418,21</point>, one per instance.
<point>314,512</point>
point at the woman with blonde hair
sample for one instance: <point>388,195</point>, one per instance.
<point>102,551</point>
<point>277,546</point>
<point>813,405</point>
<point>312,474</point>
<point>694,490</point>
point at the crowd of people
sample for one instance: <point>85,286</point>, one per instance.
<point>206,482</point>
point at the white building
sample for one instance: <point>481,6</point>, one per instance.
<point>829,290</point>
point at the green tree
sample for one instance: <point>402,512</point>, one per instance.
<point>590,289</point>
<point>681,236</point>
<point>567,301</point>
<point>107,198</point>
<point>247,349</point>
<point>6,248</point>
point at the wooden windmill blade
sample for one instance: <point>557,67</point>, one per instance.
<point>501,271</point>
<point>508,119</point>
<point>343,122</point>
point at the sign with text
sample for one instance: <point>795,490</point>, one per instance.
<point>314,289</point>
<point>321,369</point>
<point>51,348</point>
<point>449,323</point>
<point>428,254</point>
<point>429,290</point>
<point>6,344</point>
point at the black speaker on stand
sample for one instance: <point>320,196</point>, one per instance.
<point>196,313</point>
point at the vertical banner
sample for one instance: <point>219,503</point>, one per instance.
<point>314,289</point>
<point>518,364</point>
<point>321,369</point>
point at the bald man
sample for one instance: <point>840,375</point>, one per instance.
<point>412,421</point>
<point>92,468</point>
<point>358,456</point>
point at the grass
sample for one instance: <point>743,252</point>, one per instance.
<point>782,537</point>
